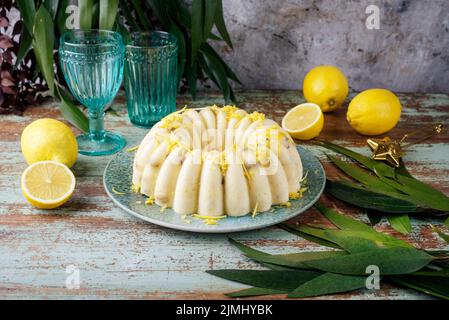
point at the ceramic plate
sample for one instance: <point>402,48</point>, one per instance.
<point>118,176</point>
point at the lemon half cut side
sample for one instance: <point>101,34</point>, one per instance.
<point>304,122</point>
<point>47,184</point>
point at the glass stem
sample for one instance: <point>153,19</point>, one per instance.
<point>96,124</point>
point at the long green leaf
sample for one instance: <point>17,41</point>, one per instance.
<point>439,273</point>
<point>328,283</point>
<point>277,267</point>
<point>254,292</point>
<point>364,198</point>
<point>221,25</point>
<point>126,10</point>
<point>293,260</point>
<point>231,75</point>
<point>120,28</point>
<point>351,225</point>
<point>43,43</point>
<point>24,45</point>
<point>374,165</point>
<point>159,9</point>
<point>402,170</point>
<point>191,75</point>
<point>341,221</point>
<point>400,222</point>
<point>423,193</point>
<point>425,199</point>
<point>71,112</point>
<point>435,286</point>
<point>391,261</point>
<point>86,8</point>
<point>351,241</point>
<point>184,17</point>
<point>144,20</point>
<point>391,195</point>
<point>52,7</point>
<point>362,176</point>
<point>197,28</point>
<point>356,241</point>
<point>210,8</point>
<point>61,16</point>
<point>176,31</point>
<point>108,12</point>
<point>295,230</point>
<point>216,71</point>
<point>28,12</point>
<point>278,280</point>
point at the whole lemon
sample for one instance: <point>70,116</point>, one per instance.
<point>374,111</point>
<point>49,139</point>
<point>326,86</point>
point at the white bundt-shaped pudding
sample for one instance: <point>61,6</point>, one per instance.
<point>217,161</point>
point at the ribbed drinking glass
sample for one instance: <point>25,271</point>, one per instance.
<point>92,64</point>
<point>150,76</point>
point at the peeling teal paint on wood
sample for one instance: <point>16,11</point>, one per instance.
<point>121,257</point>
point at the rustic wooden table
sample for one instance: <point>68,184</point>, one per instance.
<point>121,257</point>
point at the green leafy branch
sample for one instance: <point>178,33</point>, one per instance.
<point>309,274</point>
<point>380,188</point>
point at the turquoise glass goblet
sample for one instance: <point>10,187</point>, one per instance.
<point>92,64</point>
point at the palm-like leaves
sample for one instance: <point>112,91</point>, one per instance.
<point>45,21</point>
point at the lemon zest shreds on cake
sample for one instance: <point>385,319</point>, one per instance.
<point>181,111</point>
<point>118,192</point>
<point>209,220</point>
<point>163,208</point>
<point>135,188</point>
<point>149,201</point>
<point>230,112</point>
<point>172,141</point>
<point>247,174</point>
<point>132,149</point>
<point>215,108</point>
<point>295,195</point>
<point>172,121</point>
<point>223,164</point>
<point>288,204</point>
<point>255,210</point>
<point>254,116</point>
<point>199,216</point>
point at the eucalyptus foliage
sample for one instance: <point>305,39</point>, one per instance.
<point>382,189</point>
<point>317,273</point>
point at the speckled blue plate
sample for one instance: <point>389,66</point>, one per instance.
<point>118,175</point>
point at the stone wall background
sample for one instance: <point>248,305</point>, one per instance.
<point>277,41</point>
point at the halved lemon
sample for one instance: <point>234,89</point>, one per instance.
<point>47,184</point>
<point>304,122</point>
